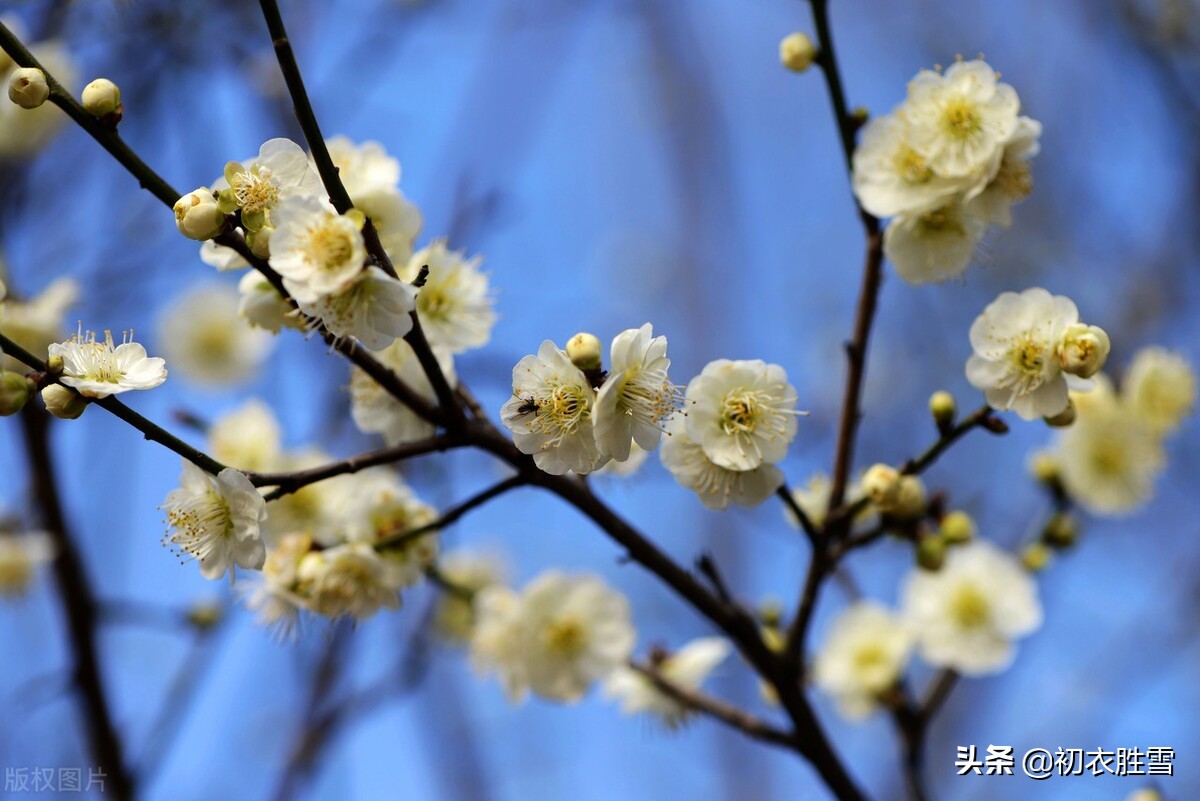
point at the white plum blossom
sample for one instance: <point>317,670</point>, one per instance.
<point>742,413</point>
<point>99,369</point>
<point>316,250</point>
<point>37,323</point>
<point>247,438</point>
<point>550,413</point>
<point>349,579</point>
<point>891,176</point>
<point>961,119</point>
<point>371,178</point>
<point>968,614</point>
<point>207,341</point>
<point>261,305</point>
<point>637,399</point>
<point>1013,181</point>
<point>20,557</point>
<point>472,571</point>
<point>1016,361</point>
<point>1159,388</point>
<point>257,188</point>
<point>1110,457</point>
<point>716,486</point>
<point>455,304</point>
<point>686,668</point>
<point>374,409</point>
<point>373,307</point>
<point>557,638</point>
<point>864,655</point>
<point>216,520</point>
<point>378,506</point>
<point>934,245</point>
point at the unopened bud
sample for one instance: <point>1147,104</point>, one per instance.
<point>1064,418</point>
<point>198,216</point>
<point>55,365</point>
<point>770,612</point>
<point>1044,467</point>
<point>101,98</point>
<point>797,52</point>
<point>204,616</point>
<point>859,116</point>
<point>1083,350</point>
<point>28,87</point>
<point>943,408</point>
<point>15,390</point>
<point>1036,557</point>
<point>584,351</point>
<point>957,528</point>
<point>931,552</point>
<point>881,483</point>
<point>63,403</point>
<point>1061,531</point>
<point>910,499</point>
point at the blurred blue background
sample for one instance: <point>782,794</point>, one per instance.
<point>618,161</point>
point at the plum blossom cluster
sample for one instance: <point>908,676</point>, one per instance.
<point>948,162</point>
<point>1027,344</point>
<point>966,616</point>
<point>1110,457</point>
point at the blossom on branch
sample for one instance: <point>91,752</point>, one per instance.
<point>216,520</point>
<point>97,369</point>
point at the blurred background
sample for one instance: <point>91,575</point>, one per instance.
<point>615,162</point>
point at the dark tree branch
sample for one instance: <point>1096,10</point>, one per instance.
<point>451,515</point>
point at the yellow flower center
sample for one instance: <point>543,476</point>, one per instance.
<point>911,166</point>
<point>961,119</point>
<point>969,608</point>
<point>566,637</point>
<point>254,190</point>
<point>331,245</point>
<point>742,411</point>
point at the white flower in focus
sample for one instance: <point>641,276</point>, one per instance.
<point>967,615</point>
<point>1159,388</point>
<point>348,579</point>
<point>1109,458</point>
<point>454,615</point>
<point>550,413</point>
<point>497,639</point>
<point>716,486</point>
<point>575,631</point>
<point>37,323</point>
<point>962,119</point>
<point>1013,181</point>
<point>686,668</point>
<point>247,438</point>
<point>216,520</point>
<point>374,409</point>
<point>935,245</point>
<point>1016,363</point>
<point>454,304</point>
<point>258,187</point>
<point>206,339</point>
<point>20,557</point>
<point>25,131</point>
<point>891,177</point>
<point>866,652</point>
<point>263,307</point>
<point>99,369</point>
<point>742,413</point>
<point>637,399</point>
<point>316,250</point>
<point>374,308</point>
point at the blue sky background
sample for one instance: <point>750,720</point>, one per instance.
<point>617,162</point>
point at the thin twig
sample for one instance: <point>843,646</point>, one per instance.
<point>806,523</point>
<point>976,419</point>
<point>451,515</point>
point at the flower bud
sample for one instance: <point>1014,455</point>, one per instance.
<point>1064,418</point>
<point>797,52</point>
<point>584,352</point>
<point>1061,531</point>
<point>28,87</point>
<point>197,215</point>
<point>15,390</point>
<point>931,552</point>
<point>63,403</point>
<point>957,528</point>
<point>910,499</point>
<point>1044,467</point>
<point>101,98</point>
<point>1083,350</point>
<point>943,408</point>
<point>770,612</point>
<point>1036,557</point>
<point>55,365</point>
<point>204,616</point>
<point>881,483</point>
